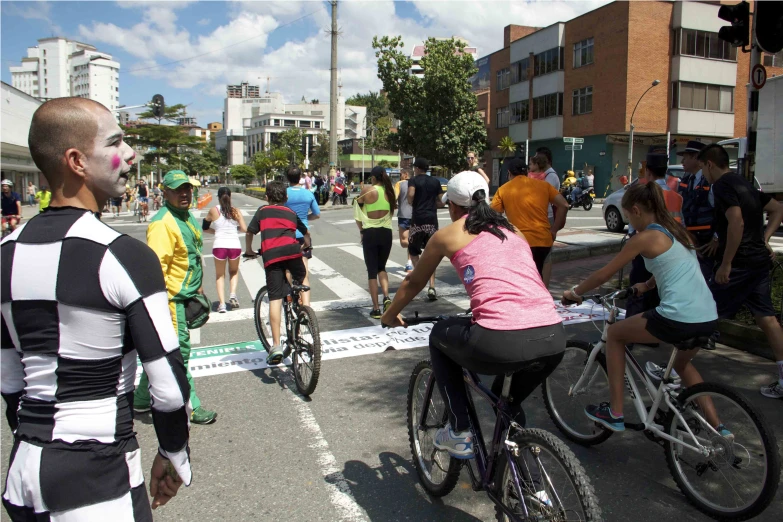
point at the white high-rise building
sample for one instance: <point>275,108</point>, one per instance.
<point>58,67</point>
<point>418,53</point>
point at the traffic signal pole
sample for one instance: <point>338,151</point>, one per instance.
<point>753,104</point>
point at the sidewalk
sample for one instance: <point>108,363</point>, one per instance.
<point>578,244</point>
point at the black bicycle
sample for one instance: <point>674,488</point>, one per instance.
<point>529,474</point>
<point>302,336</point>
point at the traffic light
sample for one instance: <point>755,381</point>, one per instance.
<point>738,34</point>
<point>769,26</point>
<point>158,107</point>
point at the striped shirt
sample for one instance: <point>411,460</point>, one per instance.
<point>278,226</point>
<point>79,302</point>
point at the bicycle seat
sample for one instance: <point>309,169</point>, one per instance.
<point>300,288</point>
<point>694,342</point>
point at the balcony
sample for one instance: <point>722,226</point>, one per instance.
<point>702,123</point>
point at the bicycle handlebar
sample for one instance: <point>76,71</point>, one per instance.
<point>617,294</point>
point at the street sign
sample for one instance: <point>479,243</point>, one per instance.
<point>574,140</point>
<point>573,147</point>
<point>758,76</point>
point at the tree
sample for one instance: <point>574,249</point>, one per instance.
<point>387,164</point>
<point>507,146</point>
<point>171,113</point>
<point>290,141</point>
<point>161,144</point>
<point>243,173</point>
<point>379,118</point>
<point>319,157</point>
<point>438,113</point>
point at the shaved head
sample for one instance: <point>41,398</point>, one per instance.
<point>59,125</point>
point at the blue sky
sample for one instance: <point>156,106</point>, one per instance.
<point>246,41</point>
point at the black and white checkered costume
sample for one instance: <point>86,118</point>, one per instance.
<point>79,301</point>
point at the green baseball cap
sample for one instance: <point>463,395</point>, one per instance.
<point>174,179</point>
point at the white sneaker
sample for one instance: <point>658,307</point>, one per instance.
<point>543,497</point>
<point>222,308</point>
<point>656,371</point>
<point>773,391</point>
<point>459,445</point>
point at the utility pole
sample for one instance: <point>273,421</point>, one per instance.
<point>753,104</point>
<point>333,98</point>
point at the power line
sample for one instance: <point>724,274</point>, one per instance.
<point>217,50</point>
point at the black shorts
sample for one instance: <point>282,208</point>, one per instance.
<point>377,245</point>
<point>540,255</point>
<point>420,234</point>
<point>309,252</point>
<point>276,281</point>
<point>749,287</point>
<point>670,331</point>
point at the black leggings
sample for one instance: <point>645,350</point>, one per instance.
<point>377,244</point>
<point>457,343</point>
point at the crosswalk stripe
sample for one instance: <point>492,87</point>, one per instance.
<point>252,272</point>
<point>343,287</point>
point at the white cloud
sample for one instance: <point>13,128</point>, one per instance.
<point>32,11</point>
<point>237,51</point>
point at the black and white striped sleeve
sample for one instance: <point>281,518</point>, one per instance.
<point>131,279</point>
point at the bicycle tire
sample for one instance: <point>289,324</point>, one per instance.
<point>599,434</point>
<point>770,446</point>
<point>580,483</point>
<point>306,315</point>
<point>451,473</point>
<point>261,317</point>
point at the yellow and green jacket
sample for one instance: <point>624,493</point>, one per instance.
<point>175,237</point>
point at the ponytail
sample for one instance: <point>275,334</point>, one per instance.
<point>481,218</point>
<point>389,192</point>
<point>224,198</point>
<point>649,197</point>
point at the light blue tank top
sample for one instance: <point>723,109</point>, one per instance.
<point>684,294</point>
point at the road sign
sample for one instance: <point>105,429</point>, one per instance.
<point>574,140</point>
<point>573,147</point>
<point>758,76</point>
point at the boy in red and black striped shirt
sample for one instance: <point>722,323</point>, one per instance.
<point>280,251</point>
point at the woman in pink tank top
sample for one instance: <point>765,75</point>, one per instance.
<point>514,321</point>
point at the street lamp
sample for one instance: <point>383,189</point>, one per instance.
<point>630,138</point>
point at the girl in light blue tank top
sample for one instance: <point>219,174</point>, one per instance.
<point>687,309</point>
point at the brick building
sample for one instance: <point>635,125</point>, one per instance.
<point>583,78</point>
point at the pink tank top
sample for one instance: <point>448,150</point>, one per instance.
<point>505,289</point>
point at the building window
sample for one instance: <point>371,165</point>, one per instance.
<point>548,105</point>
<point>773,60</point>
<point>317,124</point>
<point>519,71</point>
<point>520,112</point>
<point>289,123</point>
<point>703,44</point>
<point>502,118</point>
<point>582,101</point>
<point>548,62</point>
<point>503,80</point>
<point>583,53</point>
<point>702,97</point>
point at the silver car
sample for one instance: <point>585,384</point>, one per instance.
<point>614,217</point>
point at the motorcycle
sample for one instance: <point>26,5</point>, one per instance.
<point>584,200</point>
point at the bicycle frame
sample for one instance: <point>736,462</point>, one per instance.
<point>662,395</point>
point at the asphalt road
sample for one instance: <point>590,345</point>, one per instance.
<point>344,454</point>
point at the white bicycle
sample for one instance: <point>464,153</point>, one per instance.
<point>731,477</point>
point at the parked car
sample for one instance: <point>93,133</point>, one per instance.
<point>614,217</point>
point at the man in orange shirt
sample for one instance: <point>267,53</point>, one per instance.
<point>525,202</point>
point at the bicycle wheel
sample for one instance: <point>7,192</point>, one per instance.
<point>553,482</point>
<point>438,471</point>
<point>739,477</point>
<point>306,360</point>
<point>261,318</point>
<point>567,410</point>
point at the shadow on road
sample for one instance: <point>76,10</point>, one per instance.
<point>391,491</point>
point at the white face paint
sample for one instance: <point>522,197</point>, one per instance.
<point>106,166</point>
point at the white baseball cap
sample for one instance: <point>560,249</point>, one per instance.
<point>462,187</point>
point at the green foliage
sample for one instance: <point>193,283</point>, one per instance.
<point>379,118</point>
<point>164,145</point>
<point>290,141</point>
<point>243,173</point>
<point>319,157</point>
<point>387,164</point>
<point>172,113</point>
<point>438,113</point>
<point>507,146</point>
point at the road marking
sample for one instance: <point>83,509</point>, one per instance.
<point>253,274</point>
<point>195,336</point>
<point>343,287</point>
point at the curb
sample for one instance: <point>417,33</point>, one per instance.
<point>573,252</point>
<point>746,338</point>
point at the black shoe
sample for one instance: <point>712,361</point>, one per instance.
<point>376,314</point>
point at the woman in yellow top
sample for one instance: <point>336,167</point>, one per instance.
<point>373,211</point>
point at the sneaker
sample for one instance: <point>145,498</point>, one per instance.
<point>408,267</point>
<point>432,294</point>
<point>603,415</point>
<point>543,498</point>
<point>773,391</point>
<point>386,303</point>
<point>656,371</point>
<point>275,356</point>
<point>724,432</point>
<point>459,445</point>
<point>375,314</point>
<point>222,308</point>
<point>233,301</point>
<point>142,409</point>
<point>203,416</point>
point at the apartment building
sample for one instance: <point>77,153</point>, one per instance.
<point>418,53</point>
<point>584,78</point>
<point>265,129</point>
<point>58,67</point>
